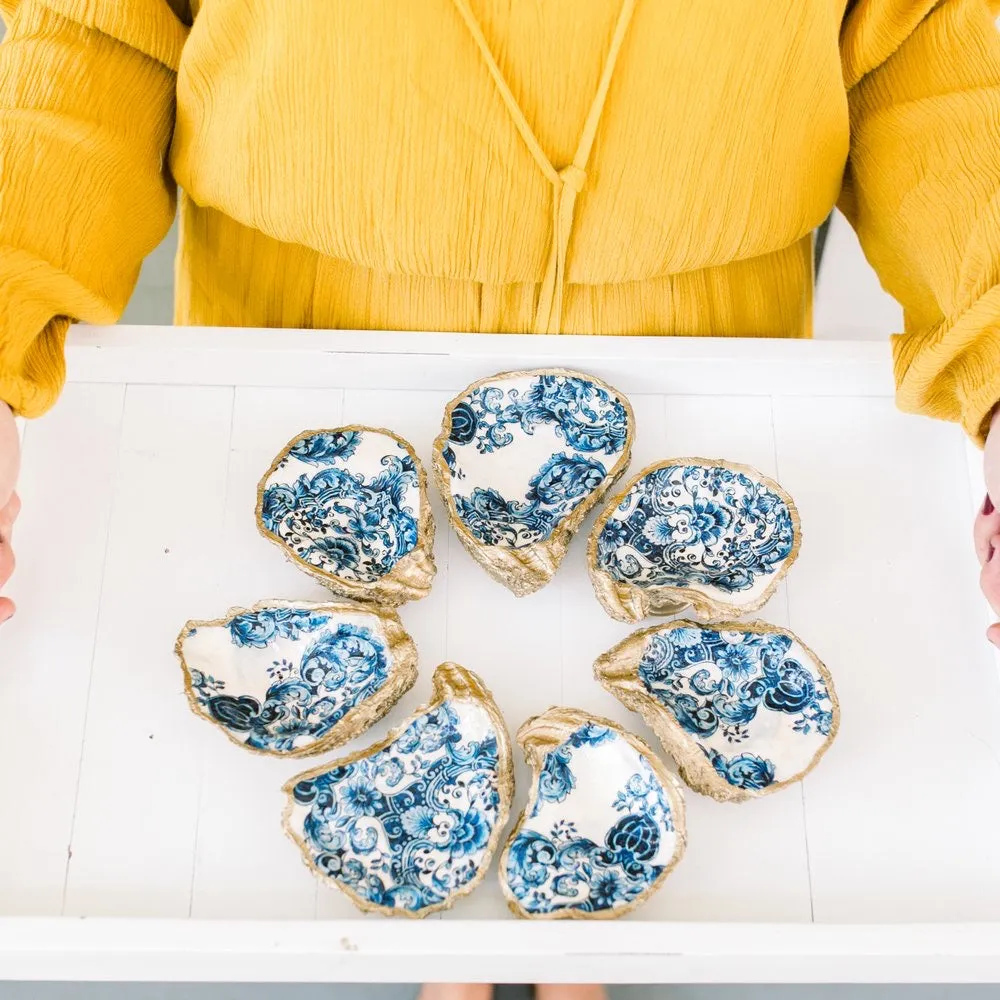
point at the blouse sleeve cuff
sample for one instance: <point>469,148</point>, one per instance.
<point>953,370</point>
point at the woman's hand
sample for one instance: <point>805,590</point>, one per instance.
<point>10,505</point>
<point>987,529</point>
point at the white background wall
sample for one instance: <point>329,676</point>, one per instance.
<point>850,303</point>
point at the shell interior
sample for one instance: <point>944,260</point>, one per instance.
<point>344,502</point>
<point>755,703</point>
<point>410,825</point>
<point>525,450</point>
<point>280,678</point>
<point>709,527</point>
<point>601,833</point>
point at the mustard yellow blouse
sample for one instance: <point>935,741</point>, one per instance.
<point>561,166</point>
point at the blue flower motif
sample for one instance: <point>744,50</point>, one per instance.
<point>607,889</point>
<point>636,836</point>
<point>644,794</point>
<point>633,796</point>
<point>463,423</point>
<point>339,554</point>
<point>360,798</point>
<point>701,522</point>
<point>685,638</point>
<point>746,770</point>
<point>470,833</point>
<point>614,535</point>
<point>418,822</point>
<point>658,530</point>
<point>795,690</point>
<point>823,721</point>
<point>738,662</point>
<point>237,714</point>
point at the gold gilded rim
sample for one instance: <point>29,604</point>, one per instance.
<point>451,682</point>
<point>617,671</point>
<point>410,579</point>
<point>629,603</point>
<point>357,720</point>
<point>544,733</point>
<point>525,570</point>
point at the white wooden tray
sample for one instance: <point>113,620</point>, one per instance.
<point>118,805</point>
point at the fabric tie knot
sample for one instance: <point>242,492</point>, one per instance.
<point>573,177</point>
<point>566,183</point>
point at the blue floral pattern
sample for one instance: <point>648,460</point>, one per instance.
<point>583,429</point>
<point>682,525</point>
<point>718,683</point>
<point>259,629</point>
<point>342,665</point>
<point>408,826</point>
<point>340,520</point>
<point>552,865</point>
<point>324,447</point>
<point>553,492</point>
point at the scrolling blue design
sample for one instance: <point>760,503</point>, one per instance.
<point>260,628</point>
<point>408,826</point>
<point>718,682</point>
<point>564,870</point>
<point>339,670</point>
<point>590,421</point>
<point>696,524</point>
<point>553,492</point>
<point>323,448</point>
<point>339,521</point>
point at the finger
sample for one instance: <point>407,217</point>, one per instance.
<point>8,515</point>
<point>989,578</point>
<point>7,609</point>
<point>993,634</point>
<point>987,524</point>
<point>7,562</point>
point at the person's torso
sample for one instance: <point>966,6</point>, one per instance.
<point>374,133</point>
